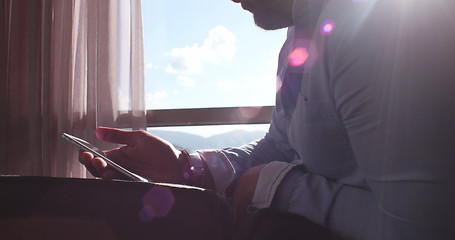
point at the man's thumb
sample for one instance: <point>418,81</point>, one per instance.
<point>113,135</point>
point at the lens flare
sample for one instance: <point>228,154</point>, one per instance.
<point>248,112</point>
<point>157,203</point>
<point>327,27</point>
<point>298,57</point>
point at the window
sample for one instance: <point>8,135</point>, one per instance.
<point>203,59</point>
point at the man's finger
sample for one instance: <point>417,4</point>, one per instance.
<point>113,135</point>
<point>86,159</point>
<point>99,165</point>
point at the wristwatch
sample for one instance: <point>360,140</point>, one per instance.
<point>193,169</point>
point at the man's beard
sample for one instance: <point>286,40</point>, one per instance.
<point>271,22</point>
<point>274,17</point>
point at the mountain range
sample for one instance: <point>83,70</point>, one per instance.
<point>188,141</point>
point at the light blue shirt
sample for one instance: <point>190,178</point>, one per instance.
<point>367,146</point>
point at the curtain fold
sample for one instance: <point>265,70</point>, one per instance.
<point>62,69</point>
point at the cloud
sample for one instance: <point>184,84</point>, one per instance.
<point>185,81</point>
<point>226,85</point>
<point>150,66</point>
<point>219,45</point>
<point>185,61</point>
<point>154,99</point>
<point>156,96</point>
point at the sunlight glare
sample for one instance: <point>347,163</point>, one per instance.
<point>298,57</point>
<point>248,113</point>
<point>157,203</point>
<point>327,27</point>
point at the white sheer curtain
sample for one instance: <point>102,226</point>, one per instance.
<point>66,66</point>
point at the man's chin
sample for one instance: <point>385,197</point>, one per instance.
<point>272,23</point>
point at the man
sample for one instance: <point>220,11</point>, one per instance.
<point>362,139</point>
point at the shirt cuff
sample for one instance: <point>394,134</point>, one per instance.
<point>220,168</point>
<point>270,178</point>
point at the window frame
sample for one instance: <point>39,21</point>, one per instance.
<point>202,116</point>
<point>209,116</point>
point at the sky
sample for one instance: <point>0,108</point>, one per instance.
<point>207,53</point>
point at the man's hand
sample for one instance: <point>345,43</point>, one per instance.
<point>142,153</point>
<point>244,192</point>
